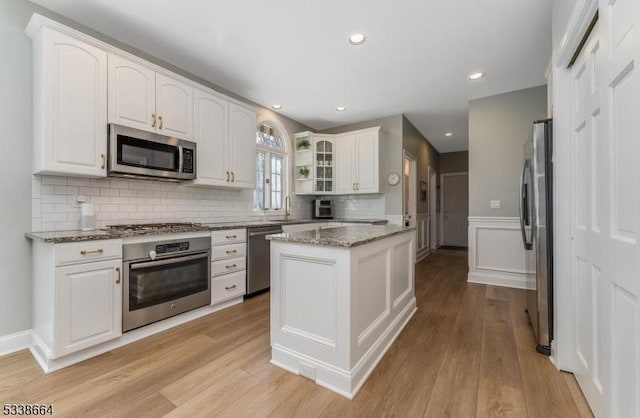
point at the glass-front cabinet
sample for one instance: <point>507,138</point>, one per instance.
<point>324,164</point>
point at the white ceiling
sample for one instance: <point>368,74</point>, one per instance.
<point>295,53</point>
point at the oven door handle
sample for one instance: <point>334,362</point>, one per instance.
<point>171,260</point>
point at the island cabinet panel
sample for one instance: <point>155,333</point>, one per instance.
<point>336,310</point>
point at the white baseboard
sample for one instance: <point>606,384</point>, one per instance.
<point>496,254</point>
<point>15,342</point>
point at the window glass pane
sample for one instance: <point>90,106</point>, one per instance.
<point>276,182</point>
<point>258,194</point>
<point>269,137</point>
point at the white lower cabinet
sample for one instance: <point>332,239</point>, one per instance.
<point>77,295</point>
<point>228,264</point>
<point>228,286</point>
<point>88,305</point>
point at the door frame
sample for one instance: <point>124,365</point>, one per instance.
<point>413,187</point>
<point>441,217</point>
<point>433,214</point>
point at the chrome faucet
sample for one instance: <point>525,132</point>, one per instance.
<point>287,208</point>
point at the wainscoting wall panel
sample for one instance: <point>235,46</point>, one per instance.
<point>496,254</point>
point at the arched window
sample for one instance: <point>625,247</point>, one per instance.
<point>271,168</point>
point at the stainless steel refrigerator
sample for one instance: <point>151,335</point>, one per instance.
<point>536,220</point>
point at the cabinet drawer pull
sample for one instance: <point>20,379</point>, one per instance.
<point>227,176</point>
<point>232,236</point>
<point>231,266</point>
<point>231,251</point>
<point>230,287</point>
<point>153,122</point>
<point>102,161</point>
<point>117,275</point>
<point>233,177</point>
<point>160,121</point>
<point>98,251</point>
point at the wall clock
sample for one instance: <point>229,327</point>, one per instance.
<point>393,179</point>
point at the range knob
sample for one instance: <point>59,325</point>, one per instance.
<point>152,255</point>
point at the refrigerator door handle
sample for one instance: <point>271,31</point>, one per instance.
<point>523,205</point>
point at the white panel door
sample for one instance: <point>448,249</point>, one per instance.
<point>211,116</point>
<point>174,107</point>
<point>367,175</point>
<point>618,78</point>
<point>345,166</point>
<point>588,229</point>
<point>132,94</point>
<point>606,212</point>
<point>455,209</point>
<point>75,96</point>
<point>88,305</point>
<point>242,146</point>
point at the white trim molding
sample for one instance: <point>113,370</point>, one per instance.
<point>15,342</point>
<point>496,255</point>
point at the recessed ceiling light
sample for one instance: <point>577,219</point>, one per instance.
<point>276,106</point>
<point>448,134</point>
<point>357,39</point>
<point>476,76</point>
<point>341,108</point>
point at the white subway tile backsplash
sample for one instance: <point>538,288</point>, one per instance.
<point>118,201</point>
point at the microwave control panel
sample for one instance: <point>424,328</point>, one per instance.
<point>187,160</point>
<point>172,248</point>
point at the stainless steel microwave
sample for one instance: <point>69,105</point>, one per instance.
<point>136,153</point>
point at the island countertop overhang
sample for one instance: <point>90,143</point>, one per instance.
<point>344,236</point>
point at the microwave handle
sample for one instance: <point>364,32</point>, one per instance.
<point>180,159</point>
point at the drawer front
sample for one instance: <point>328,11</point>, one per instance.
<point>228,266</point>
<point>222,252</point>
<point>228,286</point>
<point>228,236</point>
<point>88,251</point>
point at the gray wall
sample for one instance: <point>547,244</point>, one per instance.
<point>498,127</point>
<point>454,162</point>
<point>15,160</point>
<point>390,155</point>
<point>15,168</point>
<point>416,144</point>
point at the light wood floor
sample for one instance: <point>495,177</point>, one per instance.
<point>468,351</point>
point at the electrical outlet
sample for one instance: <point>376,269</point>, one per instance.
<point>495,204</point>
<point>308,371</point>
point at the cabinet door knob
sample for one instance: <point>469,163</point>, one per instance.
<point>153,121</point>
<point>102,161</point>
<point>117,275</point>
<point>160,120</point>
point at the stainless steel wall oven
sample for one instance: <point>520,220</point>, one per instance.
<point>163,278</point>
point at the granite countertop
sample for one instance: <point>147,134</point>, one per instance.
<point>344,236</point>
<point>60,237</point>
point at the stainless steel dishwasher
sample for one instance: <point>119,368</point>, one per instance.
<point>258,257</point>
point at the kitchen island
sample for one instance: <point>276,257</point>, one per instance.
<point>339,298</point>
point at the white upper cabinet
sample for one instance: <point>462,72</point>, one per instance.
<point>226,137</point>
<point>174,107</point>
<point>367,161</point>
<point>345,164</point>
<point>242,146</point>
<point>70,106</point>
<point>132,94</point>
<point>356,162</point>
<point>142,98</point>
<point>211,118</point>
